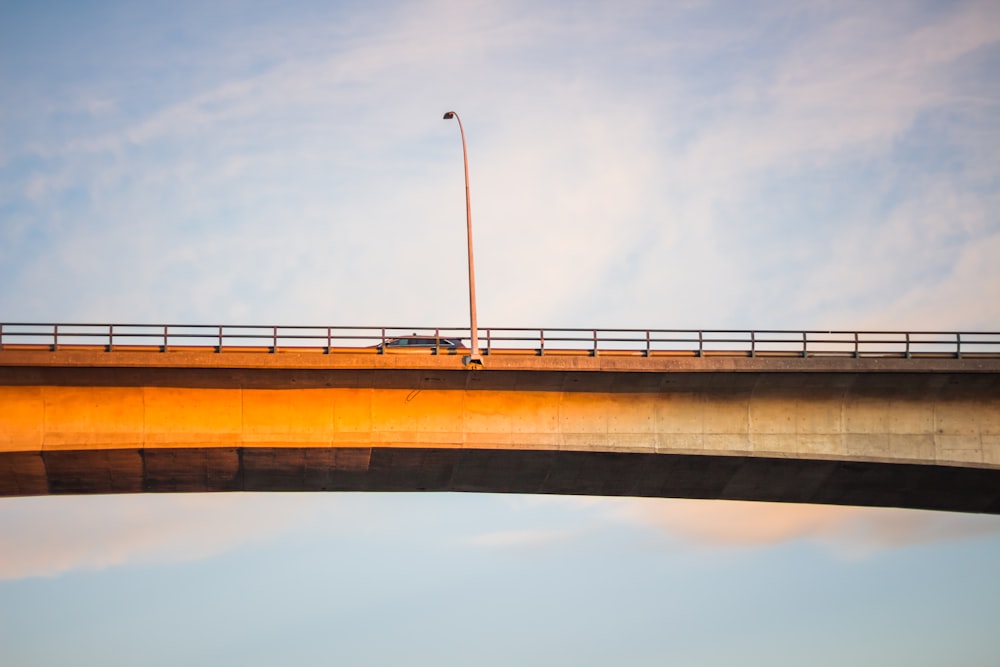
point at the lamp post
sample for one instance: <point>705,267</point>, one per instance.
<point>474,359</point>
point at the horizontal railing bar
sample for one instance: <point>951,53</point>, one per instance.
<point>214,327</point>
<point>159,327</point>
<point>514,339</point>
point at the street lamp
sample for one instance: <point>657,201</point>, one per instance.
<point>474,359</point>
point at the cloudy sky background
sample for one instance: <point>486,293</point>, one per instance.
<point>633,164</point>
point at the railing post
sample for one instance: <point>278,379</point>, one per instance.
<point>274,340</point>
<point>111,338</point>
<point>219,348</point>
<point>857,352</point>
<point>805,337</point>
<point>595,342</point>
<point>541,342</point>
<point>164,349</point>
<point>437,341</point>
<point>1,335</point>
<point>329,339</point>
<point>381,349</point>
<point>489,340</point>
<point>647,343</point>
<point>55,337</point>
<point>907,345</point>
<point>701,343</point>
<point>958,346</point>
<point>753,344</point>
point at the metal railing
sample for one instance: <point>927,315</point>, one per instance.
<point>502,340</point>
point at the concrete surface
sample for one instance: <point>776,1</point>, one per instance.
<point>896,432</point>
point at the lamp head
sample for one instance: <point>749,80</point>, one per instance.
<point>449,115</point>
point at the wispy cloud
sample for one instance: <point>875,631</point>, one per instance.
<point>830,176</point>
<point>848,531</point>
<point>519,539</point>
<point>693,164</point>
<point>49,536</point>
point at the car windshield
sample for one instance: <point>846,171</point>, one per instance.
<point>417,341</point>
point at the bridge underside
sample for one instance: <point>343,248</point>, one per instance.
<point>797,480</point>
<point>899,433</point>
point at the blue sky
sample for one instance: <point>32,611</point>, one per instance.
<point>633,164</point>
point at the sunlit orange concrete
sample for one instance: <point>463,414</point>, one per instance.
<point>766,419</point>
<point>933,426</point>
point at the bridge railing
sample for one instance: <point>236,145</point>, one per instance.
<point>502,340</point>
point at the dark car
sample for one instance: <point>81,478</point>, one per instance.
<point>416,342</point>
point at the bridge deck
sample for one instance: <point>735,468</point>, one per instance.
<point>201,357</point>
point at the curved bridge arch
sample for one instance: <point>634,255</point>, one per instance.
<point>903,433</point>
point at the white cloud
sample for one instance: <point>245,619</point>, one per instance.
<point>846,531</point>
<point>969,293</point>
<point>518,539</point>
<point>793,200</point>
<point>51,536</point>
<point>48,536</point>
<point>629,168</point>
<point>849,531</point>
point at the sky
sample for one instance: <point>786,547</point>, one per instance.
<point>687,164</point>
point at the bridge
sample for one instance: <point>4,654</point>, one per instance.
<point>899,419</point>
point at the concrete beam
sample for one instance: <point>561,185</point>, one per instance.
<point>853,436</point>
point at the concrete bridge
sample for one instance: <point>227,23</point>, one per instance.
<point>918,429</point>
